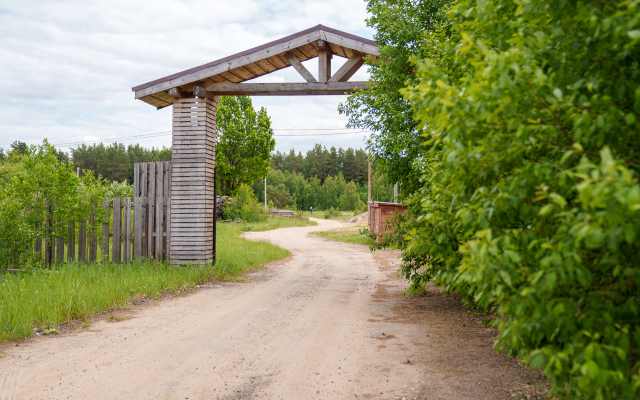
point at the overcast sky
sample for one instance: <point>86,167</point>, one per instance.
<point>67,67</point>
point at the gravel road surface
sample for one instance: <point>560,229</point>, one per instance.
<point>328,322</point>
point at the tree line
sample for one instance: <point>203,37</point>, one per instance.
<point>318,179</point>
<point>292,190</point>
<point>112,162</point>
<point>322,163</point>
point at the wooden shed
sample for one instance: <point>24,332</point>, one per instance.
<point>380,213</point>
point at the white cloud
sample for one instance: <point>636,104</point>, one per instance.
<point>68,66</point>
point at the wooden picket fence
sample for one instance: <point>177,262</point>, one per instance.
<point>138,228</point>
<point>132,234</point>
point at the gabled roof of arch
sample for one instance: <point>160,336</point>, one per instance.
<point>222,75</point>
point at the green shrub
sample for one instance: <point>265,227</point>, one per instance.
<point>530,200</point>
<point>244,205</point>
<point>38,180</point>
<point>119,189</point>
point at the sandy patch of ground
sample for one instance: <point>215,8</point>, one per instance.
<point>329,322</point>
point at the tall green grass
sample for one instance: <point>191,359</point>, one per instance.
<point>74,291</point>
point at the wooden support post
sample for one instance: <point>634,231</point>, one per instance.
<point>324,61</point>
<point>192,169</point>
<point>126,254</point>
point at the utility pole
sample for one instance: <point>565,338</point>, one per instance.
<point>369,194</point>
<point>215,210</point>
<point>369,183</point>
<point>265,192</point>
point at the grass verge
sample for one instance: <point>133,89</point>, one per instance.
<point>75,291</point>
<point>275,223</point>
<point>348,235</point>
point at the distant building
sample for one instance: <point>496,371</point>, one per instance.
<point>380,213</point>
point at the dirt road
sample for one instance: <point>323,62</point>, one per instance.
<point>329,322</point>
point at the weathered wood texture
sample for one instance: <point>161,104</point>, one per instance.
<point>151,210</point>
<point>281,213</point>
<point>286,89</point>
<point>261,60</point>
<point>193,161</point>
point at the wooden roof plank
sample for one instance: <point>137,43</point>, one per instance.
<point>270,53</point>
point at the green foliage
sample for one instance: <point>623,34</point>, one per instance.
<point>529,198</point>
<point>118,189</point>
<point>350,199</point>
<point>245,206</point>
<point>322,163</point>
<point>395,141</point>
<point>115,162</point>
<point>291,190</point>
<point>37,179</point>
<point>245,142</point>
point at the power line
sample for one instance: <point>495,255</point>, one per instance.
<point>326,134</point>
<point>309,129</point>
<point>167,133</point>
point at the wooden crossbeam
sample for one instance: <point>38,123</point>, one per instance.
<point>285,89</point>
<point>300,68</point>
<point>348,69</point>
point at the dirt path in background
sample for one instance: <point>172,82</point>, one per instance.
<point>329,322</point>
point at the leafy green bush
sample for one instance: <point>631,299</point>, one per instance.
<point>38,180</point>
<point>350,199</point>
<point>530,200</point>
<point>119,189</point>
<point>244,205</point>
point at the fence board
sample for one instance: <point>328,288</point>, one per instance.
<point>151,208</point>
<point>105,231</point>
<point>117,229</point>
<point>136,180</point>
<point>127,231</point>
<point>151,212</point>
<point>137,227</point>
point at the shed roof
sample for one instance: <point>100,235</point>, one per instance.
<point>257,61</point>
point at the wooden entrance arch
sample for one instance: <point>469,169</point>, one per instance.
<point>194,95</point>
